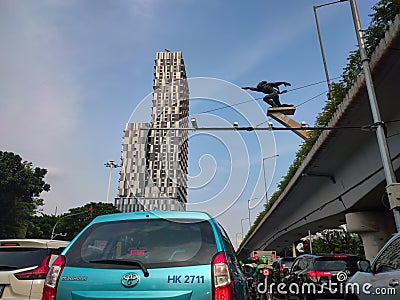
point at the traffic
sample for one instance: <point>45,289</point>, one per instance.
<point>182,255</point>
<point>330,229</point>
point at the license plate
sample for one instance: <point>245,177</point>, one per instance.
<point>1,290</point>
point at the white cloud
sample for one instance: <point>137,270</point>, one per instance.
<point>54,174</point>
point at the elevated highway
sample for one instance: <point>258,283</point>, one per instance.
<point>341,181</point>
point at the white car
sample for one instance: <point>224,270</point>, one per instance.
<point>379,280</point>
<point>24,264</point>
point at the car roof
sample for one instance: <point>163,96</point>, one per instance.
<point>286,258</point>
<point>155,214</point>
<point>32,243</point>
<point>390,241</point>
<point>328,255</point>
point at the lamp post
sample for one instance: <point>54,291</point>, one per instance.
<point>265,177</point>
<point>321,46</point>
<point>237,243</point>
<point>392,188</point>
<point>241,224</point>
<point>110,165</point>
<point>53,234</point>
<point>248,207</point>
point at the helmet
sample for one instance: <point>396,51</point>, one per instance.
<point>263,259</point>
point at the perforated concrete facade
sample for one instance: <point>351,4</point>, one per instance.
<point>154,162</point>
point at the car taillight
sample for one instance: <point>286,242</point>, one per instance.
<point>37,273</point>
<point>50,284</point>
<point>9,244</point>
<point>315,275</point>
<point>222,283</point>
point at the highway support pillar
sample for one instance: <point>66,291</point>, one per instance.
<point>374,227</point>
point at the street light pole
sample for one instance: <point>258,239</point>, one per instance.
<point>323,54</point>
<point>241,224</point>
<point>53,234</point>
<point>265,177</point>
<point>248,207</point>
<point>392,188</point>
<point>328,81</point>
<point>110,165</point>
<point>237,243</point>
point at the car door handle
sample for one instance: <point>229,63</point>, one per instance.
<point>394,282</point>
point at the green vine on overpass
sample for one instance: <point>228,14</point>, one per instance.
<point>385,12</point>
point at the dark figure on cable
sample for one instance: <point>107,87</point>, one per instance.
<point>271,89</point>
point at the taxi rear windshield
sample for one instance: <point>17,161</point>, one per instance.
<point>154,243</point>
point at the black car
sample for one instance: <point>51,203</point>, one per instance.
<point>319,276</point>
<point>279,266</point>
<point>279,269</point>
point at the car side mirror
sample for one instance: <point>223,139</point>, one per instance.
<point>364,266</point>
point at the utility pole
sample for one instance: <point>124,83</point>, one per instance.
<point>392,188</point>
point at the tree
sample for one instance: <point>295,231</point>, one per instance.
<point>338,241</point>
<point>70,224</point>
<point>40,227</point>
<point>20,187</point>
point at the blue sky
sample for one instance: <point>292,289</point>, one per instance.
<point>73,72</point>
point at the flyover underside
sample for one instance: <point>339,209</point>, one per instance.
<point>343,172</point>
<point>330,213</point>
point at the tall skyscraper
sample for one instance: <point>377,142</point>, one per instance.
<point>155,160</point>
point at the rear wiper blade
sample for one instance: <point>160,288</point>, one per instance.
<point>123,262</point>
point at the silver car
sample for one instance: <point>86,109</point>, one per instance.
<point>24,264</point>
<point>379,280</point>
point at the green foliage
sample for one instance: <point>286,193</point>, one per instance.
<point>385,13</point>
<point>71,223</point>
<point>76,219</point>
<point>382,18</point>
<point>40,227</point>
<point>338,241</point>
<point>20,187</point>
